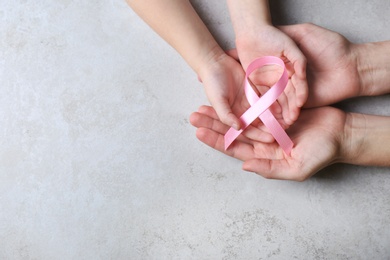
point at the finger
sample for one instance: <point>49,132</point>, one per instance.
<point>233,53</point>
<point>211,138</point>
<point>207,118</point>
<point>300,82</point>
<point>273,169</point>
<point>283,101</point>
<point>297,33</point>
<point>293,109</point>
<point>200,79</point>
<point>298,60</point>
<point>239,150</point>
<point>289,68</point>
<point>209,111</point>
<point>258,134</point>
<point>255,133</point>
<point>201,120</point>
<point>225,114</point>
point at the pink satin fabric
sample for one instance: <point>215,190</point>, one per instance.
<point>260,106</point>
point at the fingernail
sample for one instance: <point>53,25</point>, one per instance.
<point>235,126</point>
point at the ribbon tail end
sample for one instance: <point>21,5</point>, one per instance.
<point>288,147</point>
<point>227,143</point>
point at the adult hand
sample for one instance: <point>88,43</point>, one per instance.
<point>319,137</point>
<point>332,71</point>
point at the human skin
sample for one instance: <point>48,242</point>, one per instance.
<point>177,23</point>
<point>257,37</point>
<point>322,136</point>
<point>222,76</point>
<point>338,70</point>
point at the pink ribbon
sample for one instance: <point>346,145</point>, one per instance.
<point>260,106</point>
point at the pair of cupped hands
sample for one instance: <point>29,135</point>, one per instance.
<point>322,67</point>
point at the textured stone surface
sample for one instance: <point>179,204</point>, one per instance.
<point>98,159</point>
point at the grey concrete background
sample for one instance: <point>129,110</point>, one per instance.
<point>98,159</point>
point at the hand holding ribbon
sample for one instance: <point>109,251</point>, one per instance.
<point>260,105</point>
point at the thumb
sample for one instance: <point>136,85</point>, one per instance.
<point>299,62</point>
<point>225,114</point>
<point>268,168</point>
<point>233,53</point>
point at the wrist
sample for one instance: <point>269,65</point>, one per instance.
<point>249,15</point>
<point>247,42</point>
<point>364,68</point>
<point>251,34</point>
<point>352,143</point>
<point>373,66</point>
<point>208,60</point>
<point>367,140</point>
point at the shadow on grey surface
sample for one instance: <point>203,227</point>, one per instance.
<point>376,105</point>
<point>280,14</point>
<point>332,173</point>
<point>347,173</point>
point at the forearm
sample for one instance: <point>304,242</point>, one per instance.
<point>246,15</point>
<point>367,140</point>
<point>177,23</point>
<point>374,67</point>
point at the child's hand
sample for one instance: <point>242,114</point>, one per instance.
<point>267,40</point>
<point>223,79</point>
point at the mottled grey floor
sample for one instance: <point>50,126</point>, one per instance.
<point>98,159</point>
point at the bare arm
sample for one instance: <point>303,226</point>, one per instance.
<point>247,14</point>
<point>177,23</point>
<point>368,136</point>
<point>374,67</point>
<point>367,140</point>
<point>322,136</point>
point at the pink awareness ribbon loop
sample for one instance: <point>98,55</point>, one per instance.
<point>260,106</point>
